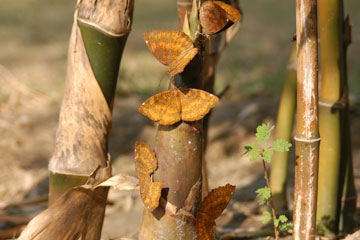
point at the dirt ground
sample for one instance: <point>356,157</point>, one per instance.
<point>32,72</point>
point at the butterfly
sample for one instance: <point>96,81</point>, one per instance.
<point>210,209</point>
<point>172,48</point>
<point>172,106</point>
<point>145,165</point>
<point>216,16</point>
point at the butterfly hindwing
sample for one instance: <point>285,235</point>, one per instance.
<point>210,209</point>
<point>145,165</point>
<point>172,48</point>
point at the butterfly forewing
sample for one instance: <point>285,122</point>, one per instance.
<point>205,227</point>
<point>181,61</point>
<point>215,16</point>
<point>195,104</point>
<point>145,160</point>
<point>172,48</point>
<point>210,209</point>
<point>146,164</point>
<point>232,13</point>
<point>163,108</point>
<point>172,106</point>
<point>212,17</point>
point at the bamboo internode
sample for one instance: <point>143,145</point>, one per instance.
<point>307,133</point>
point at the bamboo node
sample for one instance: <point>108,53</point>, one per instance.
<point>299,139</point>
<point>102,29</point>
<point>336,105</point>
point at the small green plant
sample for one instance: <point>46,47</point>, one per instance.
<point>263,150</point>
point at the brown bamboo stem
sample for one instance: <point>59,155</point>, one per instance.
<point>178,150</point>
<point>307,132</point>
<point>347,193</point>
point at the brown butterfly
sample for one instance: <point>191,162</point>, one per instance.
<point>172,106</point>
<point>210,209</point>
<point>172,48</point>
<point>146,164</point>
<point>216,16</point>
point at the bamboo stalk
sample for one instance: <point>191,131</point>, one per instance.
<point>178,150</point>
<point>97,40</point>
<point>330,111</point>
<point>283,130</point>
<point>307,133</point>
<point>347,193</point>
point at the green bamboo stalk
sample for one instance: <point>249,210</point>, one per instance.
<point>307,133</point>
<point>330,111</point>
<point>283,130</point>
<point>347,193</point>
<point>97,41</point>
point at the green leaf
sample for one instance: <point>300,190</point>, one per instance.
<point>263,194</point>
<point>267,216</point>
<point>281,145</point>
<point>254,155</point>
<point>267,154</point>
<point>276,222</point>
<point>286,226</point>
<point>263,133</point>
<point>283,218</point>
<point>249,148</point>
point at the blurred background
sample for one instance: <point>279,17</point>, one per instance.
<point>34,38</point>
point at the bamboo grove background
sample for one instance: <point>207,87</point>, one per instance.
<point>33,46</point>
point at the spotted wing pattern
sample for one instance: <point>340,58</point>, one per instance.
<point>172,106</point>
<point>215,15</point>
<point>172,48</point>
<point>210,209</point>
<point>146,164</point>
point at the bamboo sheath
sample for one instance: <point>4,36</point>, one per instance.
<point>85,115</point>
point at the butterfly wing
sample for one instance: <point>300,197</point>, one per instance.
<point>145,160</point>
<point>205,227</point>
<point>181,61</point>
<point>216,201</point>
<point>195,103</point>
<point>212,17</point>
<point>232,13</point>
<point>150,192</point>
<point>146,164</point>
<point>163,108</point>
<point>167,45</point>
<point>210,209</point>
